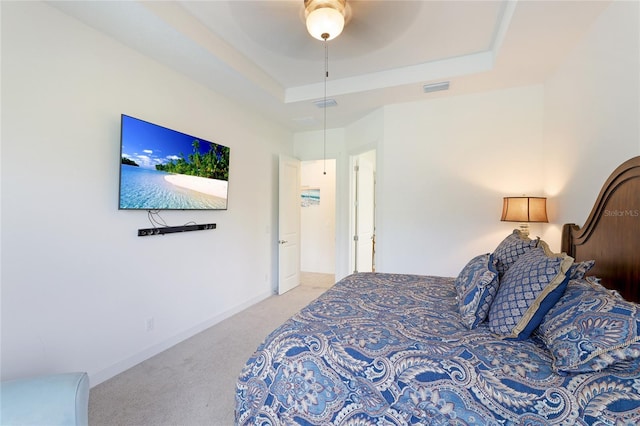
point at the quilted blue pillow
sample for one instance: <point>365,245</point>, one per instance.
<point>529,288</point>
<point>510,249</point>
<point>590,329</point>
<point>476,285</point>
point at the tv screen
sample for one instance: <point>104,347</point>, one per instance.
<point>163,169</point>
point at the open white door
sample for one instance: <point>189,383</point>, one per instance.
<point>364,212</point>
<point>289,225</point>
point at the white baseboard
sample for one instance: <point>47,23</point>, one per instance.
<point>123,365</point>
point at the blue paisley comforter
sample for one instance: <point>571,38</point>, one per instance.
<point>389,349</point>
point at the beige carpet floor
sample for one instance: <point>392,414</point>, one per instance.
<point>193,383</point>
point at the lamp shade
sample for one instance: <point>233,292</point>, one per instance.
<point>325,20</point>
<point>524,209</point>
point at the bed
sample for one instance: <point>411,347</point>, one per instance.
<point>521,336</point>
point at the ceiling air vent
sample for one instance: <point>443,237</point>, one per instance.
<point>435,87</point>
<point>325,103</point>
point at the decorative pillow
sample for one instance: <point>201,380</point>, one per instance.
<point>590,329</point>
<point>477,285</point>
<point>593,283</point>
<point>529,288</point>
<point>510,249</point>
<point>588,283</point>
<point>578,270</point>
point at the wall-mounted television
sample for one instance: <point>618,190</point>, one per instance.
<point>163,169</point>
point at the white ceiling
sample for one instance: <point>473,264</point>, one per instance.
<point>259,53</point>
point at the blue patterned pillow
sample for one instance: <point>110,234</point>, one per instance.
<point>590,329</point>
<point>476,285</point>
<point>510,249</point>
<point>579,269</point>
<point>591,283</point>
<point>529,288</point>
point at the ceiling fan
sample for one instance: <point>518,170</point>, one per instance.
<point>369,25</point>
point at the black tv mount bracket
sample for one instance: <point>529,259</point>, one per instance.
<point>173,229</point>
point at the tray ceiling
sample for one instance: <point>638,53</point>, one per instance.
<point>259,54</point>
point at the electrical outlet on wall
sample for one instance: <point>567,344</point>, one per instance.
<point>149,324</point>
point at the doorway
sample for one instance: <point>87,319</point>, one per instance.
<point>362,256</point>
<point>317,221</point>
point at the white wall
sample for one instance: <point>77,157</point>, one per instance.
<point>78,285</point>
<point>592,115</point>
<point>318,222</point>
<point>444,166</point>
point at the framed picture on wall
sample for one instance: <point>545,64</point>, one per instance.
<point>310,197</point>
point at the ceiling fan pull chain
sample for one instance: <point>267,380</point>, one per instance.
<point>326,59</point>
<point>326,75</point>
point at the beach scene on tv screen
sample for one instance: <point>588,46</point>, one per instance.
<point>166,169</point>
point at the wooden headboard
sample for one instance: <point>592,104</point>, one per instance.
<point>611,234</point>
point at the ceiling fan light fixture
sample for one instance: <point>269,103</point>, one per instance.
<point>324,18</point>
